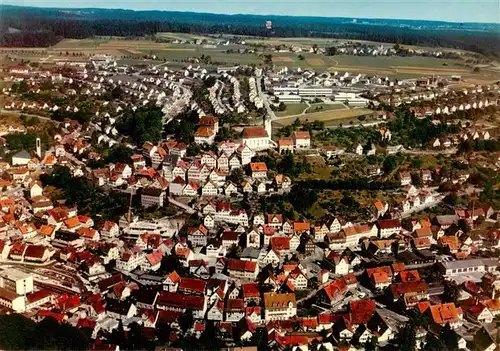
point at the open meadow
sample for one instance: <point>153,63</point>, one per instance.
<point>326,116</point>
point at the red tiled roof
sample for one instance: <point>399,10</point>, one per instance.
<point>230,236</point>
<point>360,311</point>
<point>407,276</point>
<point>241,265</point>
<point>192,285</point>
<point>254,132</point>
<point>250,290</point>
<point>300,134</point>
<point>399,289</point>
<point>72,222</point>
<point>38,295</point>
<point>335,289</point>
<point>258,167</point>
<point>285,142</point>
<point>279,243</point>
<point>445,313</point>
<point>154,257</point>
<point>174,277</point>
<point>177,300</point>
<point>389,223</point>
<point>58,316</point>
<point>233,305</point>
<point>35,251</point>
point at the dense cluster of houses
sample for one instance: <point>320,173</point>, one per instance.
<point>331,282</point>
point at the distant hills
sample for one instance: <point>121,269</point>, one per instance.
<point>58,23</point>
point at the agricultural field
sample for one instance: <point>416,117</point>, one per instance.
<point>326,116</point>
<point>400,67</point>
<point>181,36</point>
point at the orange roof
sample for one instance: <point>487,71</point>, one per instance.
<point>381,277</point>
<point>335,289</point>
<point>87,232</point>
<point>493,305</point>
<point>46,230</point>
<point>408,276</point>
<point>258,167</point>
<point>204,132</point>
<point>379,205</point>
<point>255,132</point>
<point>445,313</point>
<point>423,232</point>
<point>379,270</point>
<point>423,306</point>
<point>285,142</point>
<point>183,251</point>
<point>422,242</point>
<point>72,222</point>
<point>300,134</point>
<point>50,160</point>
<point>301,226</point>
<point>208,120</point>
<point>425,223</point>
<point>398,267</point>
<point>174,277</point>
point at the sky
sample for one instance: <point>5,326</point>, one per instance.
<point>443,10</point>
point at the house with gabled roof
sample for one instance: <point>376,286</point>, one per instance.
<point>333,292</point>
<point>198,235</point>
<point>446,313</point>
<point>171,282</point>
<point>279,306</point>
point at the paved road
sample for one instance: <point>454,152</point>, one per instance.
<point>354,125</point>
<point>270,112</point>
<point>29,115</point>
<point>188,209</point>
<point>450,151</point>
<point>423,207</point>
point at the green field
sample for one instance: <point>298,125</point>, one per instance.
<point>324,107</point>
<point>291,110</point>
<point>327,116</point>
<point>400,67</point>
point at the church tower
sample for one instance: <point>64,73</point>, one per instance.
<point>39,148</point>
<point>268,126</point>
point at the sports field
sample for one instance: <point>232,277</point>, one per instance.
<point>325,107</point>
<point>291,110</point>
<point>326,116</point>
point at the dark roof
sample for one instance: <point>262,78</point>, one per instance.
<point>145,296</point>
<point>408,257</point>
<point>107,283</point>
<point>66,236</point>
<point>152,191</point>
<point>119,307</point>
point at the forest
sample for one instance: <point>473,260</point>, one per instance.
<point>45,27</point>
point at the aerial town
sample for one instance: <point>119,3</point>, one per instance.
<point>188,206</point>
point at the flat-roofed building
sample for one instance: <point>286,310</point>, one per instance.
<point>17,281</point>
<point>481,265</point>
<point>315,91</point>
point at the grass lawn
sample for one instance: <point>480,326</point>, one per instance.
<point>325,107</point>
<point>291,110</point>
<point>326,116</point>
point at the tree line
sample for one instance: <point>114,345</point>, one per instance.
<point>43,27</point>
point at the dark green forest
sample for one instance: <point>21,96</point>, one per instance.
<point>44,27</point>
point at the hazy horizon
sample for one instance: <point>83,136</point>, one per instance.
<point>482,11</point>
